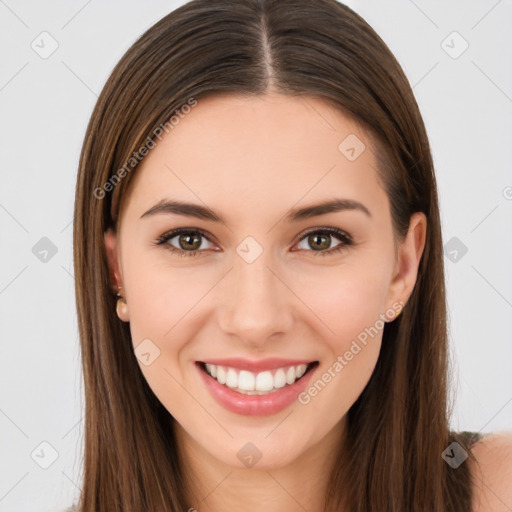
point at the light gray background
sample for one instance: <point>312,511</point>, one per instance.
<point>466,103</point>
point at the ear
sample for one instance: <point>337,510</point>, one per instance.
<point>115,271</point>
<point>111,248</point>
<point>408,260</point>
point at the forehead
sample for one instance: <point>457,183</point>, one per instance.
<point>259,152</point>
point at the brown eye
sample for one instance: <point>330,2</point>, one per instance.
<point>189,242</point>
<point>320,241</point>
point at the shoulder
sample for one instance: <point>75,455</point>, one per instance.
<point>491,472</point>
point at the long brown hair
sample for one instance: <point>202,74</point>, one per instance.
<point>399,425</point>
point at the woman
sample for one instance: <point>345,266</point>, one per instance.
<point>298,358</point>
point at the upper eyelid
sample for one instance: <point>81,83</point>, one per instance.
<point>343,236</point>
<point>172,233</point>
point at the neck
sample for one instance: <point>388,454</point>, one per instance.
<point>215,486</point>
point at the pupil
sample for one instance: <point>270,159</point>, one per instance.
<point>187,237</point>
<point>326,238</point>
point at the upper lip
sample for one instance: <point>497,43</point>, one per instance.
<point>257,366</point>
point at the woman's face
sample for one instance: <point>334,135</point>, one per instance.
<point>266,288</point>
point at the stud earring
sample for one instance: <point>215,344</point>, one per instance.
<point>395,317</point>
<point>398,314</point>
<point>121,306</point>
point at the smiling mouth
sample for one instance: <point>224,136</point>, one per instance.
<point>257,383</point>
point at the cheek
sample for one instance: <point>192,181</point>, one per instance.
<point>346,300</point>
<point>163,302</point>
<point>162,298</point>
<point>352,308</point>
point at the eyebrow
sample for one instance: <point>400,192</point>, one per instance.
<point>166,206</point>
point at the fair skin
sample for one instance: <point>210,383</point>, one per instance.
<point>493,473</point>
<point>290,302</point>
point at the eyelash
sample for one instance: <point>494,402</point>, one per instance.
<point>344,237</point>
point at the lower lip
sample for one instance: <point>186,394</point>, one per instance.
<point>255,405</point>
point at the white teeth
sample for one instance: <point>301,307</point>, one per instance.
<point>264,381</point>
<point>301,370</point>
<point>290,375</point>
<point>231,378</point>
<point>280,379</point>
<point>221,375</point>
<point>246,381</point>
<point>261,383</point>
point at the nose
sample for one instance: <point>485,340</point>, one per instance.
<point>255,302</point>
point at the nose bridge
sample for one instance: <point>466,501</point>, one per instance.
<point>256,302</point>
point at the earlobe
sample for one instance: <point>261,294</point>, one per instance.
<point>116,280</point>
